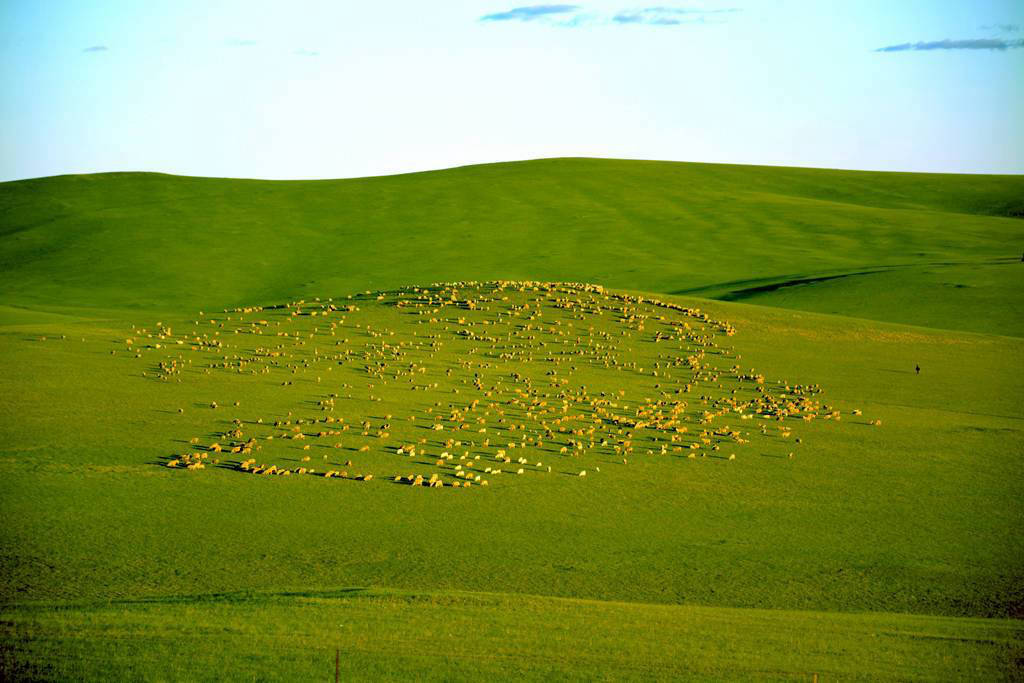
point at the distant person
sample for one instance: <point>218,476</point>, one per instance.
<point>917,369</point>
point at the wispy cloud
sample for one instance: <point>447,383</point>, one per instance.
<point>530,13</point>
<point>572,16</point>
<point>96,48</point>
<point>971,44</point>
<point>1005,28</point>
<point>668,16</point>
<point>303,52</point>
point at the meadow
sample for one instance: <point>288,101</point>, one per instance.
<point>864,527</point>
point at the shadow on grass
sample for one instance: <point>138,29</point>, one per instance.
<point>201,598</point>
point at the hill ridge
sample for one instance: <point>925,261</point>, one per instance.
<point>1015,210</point>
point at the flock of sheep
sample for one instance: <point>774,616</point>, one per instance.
<point>459,384</point>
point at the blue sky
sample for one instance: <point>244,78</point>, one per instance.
<point>333,88</point>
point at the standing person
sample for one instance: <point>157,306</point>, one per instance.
<point>917,369</point>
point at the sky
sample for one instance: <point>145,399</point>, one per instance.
<point>348,88</point>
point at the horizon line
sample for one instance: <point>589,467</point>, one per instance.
<point>504,162</point>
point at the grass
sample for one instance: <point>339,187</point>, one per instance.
<point>386,634</point>
<point>817,532</point>
<point>875,552</point>
<point>166,243</point>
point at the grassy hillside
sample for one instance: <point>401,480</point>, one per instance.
<point>402,635</point>
<point>917,515</point>
<point>867,527</point>
<point>934,250</point>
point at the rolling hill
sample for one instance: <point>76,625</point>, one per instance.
<point>866,529</point>
<point>933,250</point>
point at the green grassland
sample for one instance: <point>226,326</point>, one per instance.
<point>886,546</point>
<point>156,242</point>
<point>398,635</point>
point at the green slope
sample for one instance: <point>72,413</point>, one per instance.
<point>112,562</point>
<point>405,635</point>
<point>767,567</point>
<point>935,250</point>
<point>918,515</point>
